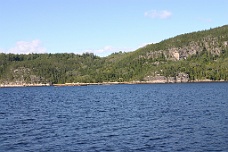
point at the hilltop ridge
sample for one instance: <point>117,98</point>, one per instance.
<point>196,56</point>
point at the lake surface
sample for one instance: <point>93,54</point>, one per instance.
<point>150,117</point>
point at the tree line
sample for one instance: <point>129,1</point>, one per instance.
<point>121,66</point>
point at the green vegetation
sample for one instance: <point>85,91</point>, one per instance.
<point>201,55</point>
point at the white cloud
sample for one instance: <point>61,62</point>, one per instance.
<point>24,47</point>
<point>164,14</point>
<point>145,44</point>
<point>107,50</point>
<point>2,51</point>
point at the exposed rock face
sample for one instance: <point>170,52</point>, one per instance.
<point>154,54</point>
<point>181,77</point>
<point>22,76</point>
<point>156,79</point>
<point>174,53</point>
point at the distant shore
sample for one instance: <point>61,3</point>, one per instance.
<point>23,85</point>
<point>105,83</point>
<point>134,82</point>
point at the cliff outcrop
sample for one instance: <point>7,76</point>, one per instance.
<point>23,76</point>
<point>212,45</point>
<point>180,78</point>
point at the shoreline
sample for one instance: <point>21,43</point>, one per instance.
<point>105,83</point>
<point>23,85</point>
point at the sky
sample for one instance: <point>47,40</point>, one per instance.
<point>101,27</point>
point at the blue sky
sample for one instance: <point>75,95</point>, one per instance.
<point>101,26</point>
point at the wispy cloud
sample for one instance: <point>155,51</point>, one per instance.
<point>145,44</point>
<point>2,51</point>
<point>107,50</point>
<point>207,20</point>
<point>24,47</point>
<point>164,14</point>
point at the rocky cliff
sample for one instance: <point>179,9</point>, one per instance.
<point>180,78</point>
<point>23,76</point>
<point>212,45</point>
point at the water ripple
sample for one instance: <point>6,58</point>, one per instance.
<point>169,117</point>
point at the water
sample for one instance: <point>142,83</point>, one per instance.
<point>153,117</point>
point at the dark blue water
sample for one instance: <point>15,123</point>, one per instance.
<point>153,117</point>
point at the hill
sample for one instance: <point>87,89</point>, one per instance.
<point>196,56</point>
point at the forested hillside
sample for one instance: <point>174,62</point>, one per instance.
<point>189,57</point>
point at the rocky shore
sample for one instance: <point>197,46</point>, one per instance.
<point>23,85</point>
<point>155,81</point>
